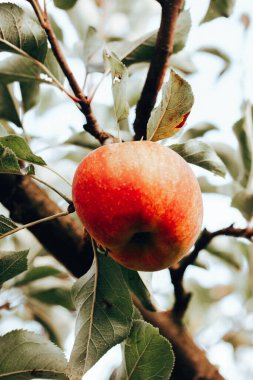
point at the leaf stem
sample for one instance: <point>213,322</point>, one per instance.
<point>93,93</point>
<point>58,174</point>
<point>67,199</point>
<point>48,218</point>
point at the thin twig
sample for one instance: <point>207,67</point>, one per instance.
<point>67,199</point>
<point>182,297</point>
<point>48,218</point>
<point>158,65</point>
<point>81,100</point>
<point>93,93</point>
<point>56,173</point>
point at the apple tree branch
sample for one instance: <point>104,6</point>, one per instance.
<point>158,65</point>
<point>191,361</point>
<point>182,297</point>
<point>62,237</point>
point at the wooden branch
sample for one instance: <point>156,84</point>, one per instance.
<point>91,123</point>
<point>63,238</point>
<point>182,297</point>
<point>158,65</point>
<point>191,362</point>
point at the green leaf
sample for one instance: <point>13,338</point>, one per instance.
<point>142,49</point>
<point>8,108</point>
<point>169,117</point>
<point>219,8</point>
<point>49,327</point>
<point>21,149</point>
<point>229,250</point>
<point>220,54</point>
<point>240,130</point>
<point>52,64</point>
<point>243,201</point>
<point>55,296</point>
<point>23,69</point>
<point>183,63</point>
<point>200,154</point>
<point>182,30</point>
<point>119,86</point>
<point>8,161</point>
<point>6,225</point>
<point>228,258</point>
<point>144,340</point>
<point>18,28</point>
<point>229,157</point>
<point>12,264</point>
<point>64,4</point>
<point>84,140</point>
<point>30,92</point>
<point>56,327</point>
<point>137,314</point>
<point>104,316</point>
<point>137,286</point>
<point>76,18</point>
<point>198,130</point>
<point>18,69</point>
<point>25,355</point>
<point>228,189</point>
<point>92,42</point>
<point>134,88</point>
<point>37,273</point>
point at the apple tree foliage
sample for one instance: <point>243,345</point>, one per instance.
<point>32,84</point>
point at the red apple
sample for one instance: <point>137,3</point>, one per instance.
<point>141,201</point>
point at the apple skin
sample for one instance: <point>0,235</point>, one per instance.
<point>141,201</point>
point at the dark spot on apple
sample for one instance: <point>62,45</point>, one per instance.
<point>141,238</point>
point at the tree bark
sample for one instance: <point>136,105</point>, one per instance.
<point>63,237</point>
<point>191,362</point>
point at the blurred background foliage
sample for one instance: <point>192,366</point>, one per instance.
<point>217,60</point>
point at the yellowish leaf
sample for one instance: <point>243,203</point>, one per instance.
<point>169,117</point>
